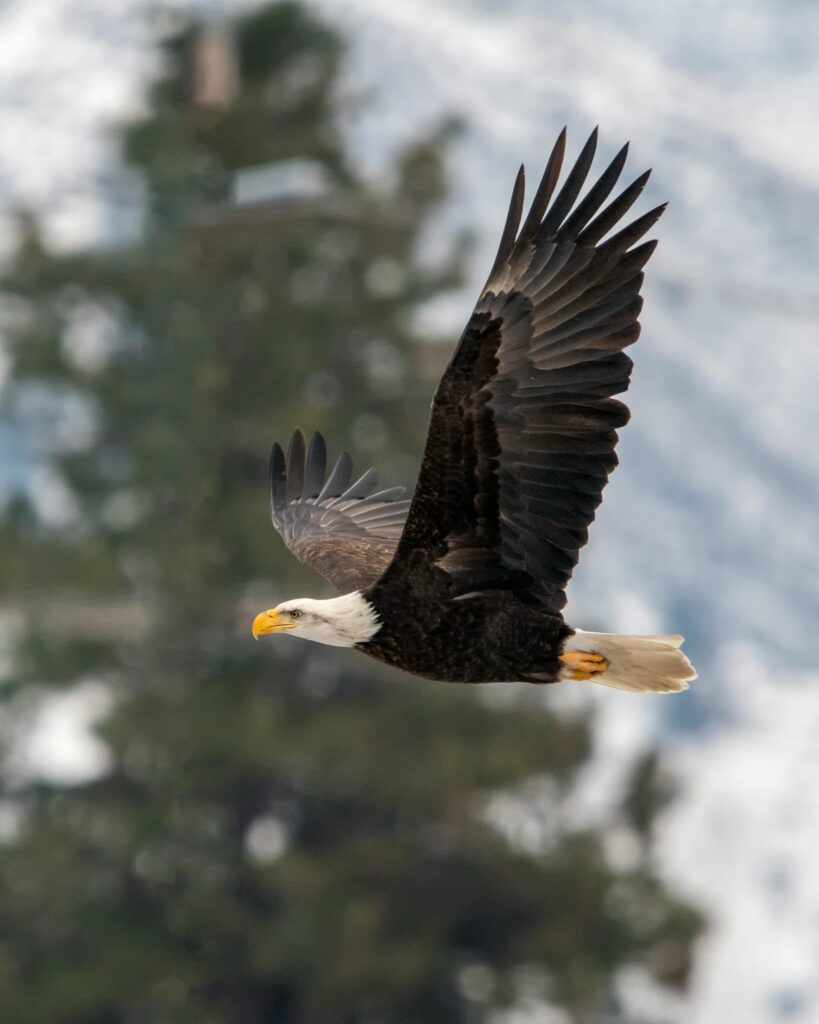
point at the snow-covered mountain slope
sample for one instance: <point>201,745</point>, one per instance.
<point>71,69</point>
<point>742,842</point>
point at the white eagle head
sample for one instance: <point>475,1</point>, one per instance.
<point>339,621</point>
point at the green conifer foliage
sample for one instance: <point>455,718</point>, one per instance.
<point>283,833</point>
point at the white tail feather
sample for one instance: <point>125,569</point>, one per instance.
<point>641,664</point>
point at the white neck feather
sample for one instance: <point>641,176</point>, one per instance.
<point>339,621</point>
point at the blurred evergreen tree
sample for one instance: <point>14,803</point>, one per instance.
<point>283,833</point>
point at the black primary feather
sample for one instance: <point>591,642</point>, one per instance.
<point>316,466</point>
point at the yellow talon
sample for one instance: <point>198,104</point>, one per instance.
<point>582,665</point>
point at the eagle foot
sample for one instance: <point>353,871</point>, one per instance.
<point>582,665</point>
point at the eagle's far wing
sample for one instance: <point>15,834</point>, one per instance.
<point>523,426</point>
<point>344,530</point>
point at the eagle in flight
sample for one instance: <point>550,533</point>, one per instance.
<point>465,582</point>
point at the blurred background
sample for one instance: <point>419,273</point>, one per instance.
<point>220,220</point>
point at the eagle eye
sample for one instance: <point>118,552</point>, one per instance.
<point>296,613</point>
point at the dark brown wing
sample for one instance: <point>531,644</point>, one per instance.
<point>523,428</point>
<point>345,531</point>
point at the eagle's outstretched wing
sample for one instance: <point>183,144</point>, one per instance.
<point>344,530</point>
<point>523,427</point>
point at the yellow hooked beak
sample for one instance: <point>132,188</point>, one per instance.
<point>270,622</point>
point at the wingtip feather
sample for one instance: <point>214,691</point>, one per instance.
<point>295,465</point>
<point>277,476</point>
<point>316,466</point>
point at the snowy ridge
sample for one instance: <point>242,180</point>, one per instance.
<point>743,842</point>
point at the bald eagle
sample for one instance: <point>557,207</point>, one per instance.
<point>466,581</point>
